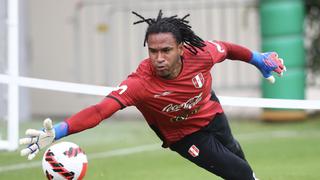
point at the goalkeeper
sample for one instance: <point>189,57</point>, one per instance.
<point>172,89</point>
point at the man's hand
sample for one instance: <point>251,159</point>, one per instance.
<point>268,62</point>
<point>37,139</point>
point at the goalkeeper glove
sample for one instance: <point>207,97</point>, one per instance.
<point>39,139</point>
<point>268,62</point>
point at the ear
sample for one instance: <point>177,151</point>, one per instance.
<point>180,49</point>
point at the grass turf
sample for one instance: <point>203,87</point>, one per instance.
<point>278,151</point>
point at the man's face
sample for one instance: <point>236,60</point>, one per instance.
<point>165,54</point>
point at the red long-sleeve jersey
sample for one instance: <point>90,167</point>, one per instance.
<point>173,108</point>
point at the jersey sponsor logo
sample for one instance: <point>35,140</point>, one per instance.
<point>198,80</point>
<point>194,151</point>
<point>185,115</point>
<point>218,46</point>
<point>165,93</point>
<point>186,105</point>
<point>123,88</point>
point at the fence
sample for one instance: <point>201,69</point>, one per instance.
<point>104,32</point>
<point>101,46</point>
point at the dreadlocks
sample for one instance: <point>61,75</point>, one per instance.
<point>177,26</point>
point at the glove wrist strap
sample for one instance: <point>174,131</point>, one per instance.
<point>61,130</point>
<point>256,59</point>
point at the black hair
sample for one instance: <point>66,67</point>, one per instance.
<point>177,26</point>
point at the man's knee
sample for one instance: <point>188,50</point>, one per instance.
<point>236,149</point>
<point>243,173</point>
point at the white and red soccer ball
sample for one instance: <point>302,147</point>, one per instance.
<point>64,160</point>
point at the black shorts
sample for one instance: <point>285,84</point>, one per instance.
<point>214,149</point>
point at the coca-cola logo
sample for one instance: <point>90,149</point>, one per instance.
<point>186,105</point>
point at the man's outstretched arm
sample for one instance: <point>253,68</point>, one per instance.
<point>265,62</point>
<point>85,119</point>
<point>92,116</point>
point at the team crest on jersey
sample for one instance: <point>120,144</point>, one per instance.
<point>198,80</point>
<point>194,151</point>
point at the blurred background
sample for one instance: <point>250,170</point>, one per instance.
<point>95,42</point>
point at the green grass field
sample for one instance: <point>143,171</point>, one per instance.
<point>279,151</point>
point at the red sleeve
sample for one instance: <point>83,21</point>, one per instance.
<point>237,52</point>
<point>130,92</point>
<point>92,116</point>
<point>217,51</point>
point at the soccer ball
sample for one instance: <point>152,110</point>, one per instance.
<point>64,160</point>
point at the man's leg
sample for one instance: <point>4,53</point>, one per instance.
<point>205,150</point>
<point>221,130</point>
<point>220,127</point>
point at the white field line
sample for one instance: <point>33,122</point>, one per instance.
<point>117,152</point>
<point>153,147</point>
